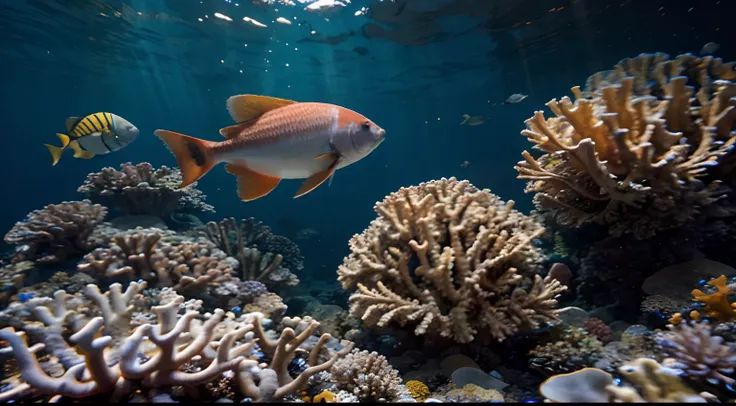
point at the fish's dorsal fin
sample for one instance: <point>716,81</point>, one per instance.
<point>247,107</point>
<point>231,132</point>
<point>71,122</point>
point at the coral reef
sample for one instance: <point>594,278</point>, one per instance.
<point>599,329</point>
<point>139,189</point>
<point>717,305</point>
<point>263,257</point>
<point>112,355</point>
<point>55,232</point>
<point>455,261</point>
<point>632,155</point>
<point>187,266</point>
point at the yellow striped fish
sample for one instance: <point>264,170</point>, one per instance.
<point>95,134</point>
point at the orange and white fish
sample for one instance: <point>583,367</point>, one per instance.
<point>278,139</point>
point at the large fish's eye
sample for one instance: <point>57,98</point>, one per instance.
<point>367,125</point>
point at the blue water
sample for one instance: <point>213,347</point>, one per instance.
<point>154,63</point>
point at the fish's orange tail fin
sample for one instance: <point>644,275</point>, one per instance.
<point>193,155</point>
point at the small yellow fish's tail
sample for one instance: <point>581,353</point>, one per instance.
<point>57,151</point>
<point>193,155</point>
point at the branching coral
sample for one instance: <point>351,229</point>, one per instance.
<point>263,257</point>
<point>115,355</point>
<point>631,158</point>
<point>272,382</point>
<point>58,230</point>
<point>186,267</point>
<point>652,383</point>
<point>455,261</point>
<point>698,353</point>
<point>369,376</point>
<point>717,304</point>
<point>139,189</point>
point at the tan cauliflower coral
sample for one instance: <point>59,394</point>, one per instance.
<point>453,261</point>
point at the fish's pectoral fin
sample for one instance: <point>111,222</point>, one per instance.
<point>55,153</point>
<point>252,184</point>
<point>247,107</point>
<point>64,139</point>
<point>231,131</point>
<point>330,155</point>
<point>71,122</point>
<point>79,152</point>
<point>317,179</point>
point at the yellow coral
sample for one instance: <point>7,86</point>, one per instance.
<point>325,397</point>
<point>418,390</point>
<point>717,305</point>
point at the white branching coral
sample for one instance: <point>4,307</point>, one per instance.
<point>452,260</point>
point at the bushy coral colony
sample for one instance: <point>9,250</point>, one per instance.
<point>448,295</point>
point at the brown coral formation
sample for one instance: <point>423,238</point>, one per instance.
<point>187,266</point>
<point>631,156</point>
<point>52,234</point>
<point>139,189</point>
<point>453,261</point>
<point>369,376</point>
<point>263,257</point>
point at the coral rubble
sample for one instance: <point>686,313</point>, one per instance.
<point>139,189</point>
<point>453,260</point>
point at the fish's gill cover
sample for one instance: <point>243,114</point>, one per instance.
<point>452,261</point>
<point>636,149</point>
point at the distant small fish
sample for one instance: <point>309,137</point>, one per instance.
<point>465,164</point>
<point>472,121</point>
<point>709,48</point>
<point>515,98</point>
<point>282,20</point>
<point>95,134</point>
<point>361,50</point>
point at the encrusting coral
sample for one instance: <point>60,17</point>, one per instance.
<point>453,260</point>
<point>632,154</point>
<point>139,189</point>
<point>186,266</point>
<point>651,383</point>
<point>53,233</point>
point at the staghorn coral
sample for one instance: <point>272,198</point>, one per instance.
<point>367,375</point>
<point>630,155</point>
<point>139,189</point>
<point>699,354</point>
<point>95,376</point>
<point>454,261</point>
<point>187,266</point>
<point>263,257</point>
<point>268,383</point>
<point>52,234</point>
<point>650,382</point>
